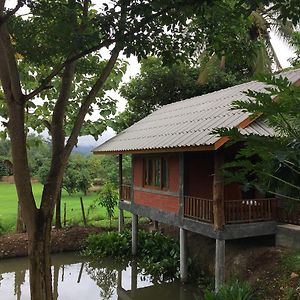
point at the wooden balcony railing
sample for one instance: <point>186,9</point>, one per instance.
<point>250,210</point>
<point>198,209</point>
<point>289,215</point>
<point>125,192</point>
<point>236,211</point>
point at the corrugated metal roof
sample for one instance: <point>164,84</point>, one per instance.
<point>258,127</point>
<point>189,123</point>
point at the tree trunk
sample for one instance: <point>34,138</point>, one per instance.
<point>40,259</point>
<point>58,211</point>
<point>20,226</point>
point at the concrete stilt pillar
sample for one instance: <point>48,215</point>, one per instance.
<point>134,232</point>
<point>183,256</point>
<point>219,264</point>
<point>133,276</point>
<point>119,282</point>
<point>121,220</point>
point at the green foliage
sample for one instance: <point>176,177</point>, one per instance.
<point>235,290</point>
<point>158,255</point>
<point>5,157</point>
<point>4,148</point>
<point>4,171</point>
<point>77,177</point>
<point>292,261</point>
<point>3,228</point>
<point>110,243</point>
<point>108,169</point>
<point>159,84</point>
<point>60,31</point>
<point>270,164</point>
<point>291,294</point>
<point>39,152</point>
<point>107,198</point>
<point>242,44</point>
<point>296,43</point>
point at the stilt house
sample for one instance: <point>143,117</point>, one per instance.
<point>176,177</point>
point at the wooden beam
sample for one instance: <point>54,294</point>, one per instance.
<point>181,185</point>
<point>159,150</point>
<point>121,213</point>
<point>218,192</point>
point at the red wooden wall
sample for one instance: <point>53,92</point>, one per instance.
<point>198,181</point>
<point>155,199</point>
<point>199,169</point>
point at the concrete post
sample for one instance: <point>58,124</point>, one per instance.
<point>121,213</point>
<point>219,264</point>
<point>155,225</point>
<point>183,256</point>
<point>134,274</point>
<point>119,282</point>
<point>121,220</point>
<point>134,232</point>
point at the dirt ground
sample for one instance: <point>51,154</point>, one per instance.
<point>67,239</point>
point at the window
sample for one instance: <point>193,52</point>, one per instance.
<point>156,173</point>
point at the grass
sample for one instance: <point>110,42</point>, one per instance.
<point>8,207</point>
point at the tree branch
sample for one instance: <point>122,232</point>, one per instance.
<point>9,59</point>
<point>10,13</point>
<point>89,100</point>
<point>56,70</point>
<point>58,139</point>
<point>45,82</point>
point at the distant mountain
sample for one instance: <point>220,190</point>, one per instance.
<point>84,149</point>
<point>87,143</point>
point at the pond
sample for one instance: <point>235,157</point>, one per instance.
<point>75,278</point>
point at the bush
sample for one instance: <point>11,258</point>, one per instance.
<point>235,290</point>
<point>158,255</point>
<point>106,244</point>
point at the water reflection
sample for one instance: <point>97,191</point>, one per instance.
<point>76,278</point>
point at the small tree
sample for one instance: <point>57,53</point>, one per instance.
<point>108,199</point>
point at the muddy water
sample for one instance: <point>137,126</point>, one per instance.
<point>76,278</point>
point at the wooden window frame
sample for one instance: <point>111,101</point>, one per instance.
<point>163,172</point>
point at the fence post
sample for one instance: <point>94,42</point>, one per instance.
<point>83,213</point>
<point>65,214</point>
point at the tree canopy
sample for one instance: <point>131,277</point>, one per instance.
<point>54,74</point>
<point>159,84</point>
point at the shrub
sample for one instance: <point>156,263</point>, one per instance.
<point>235,290</point>
<point>158,255</point>
<point>106,244</point>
